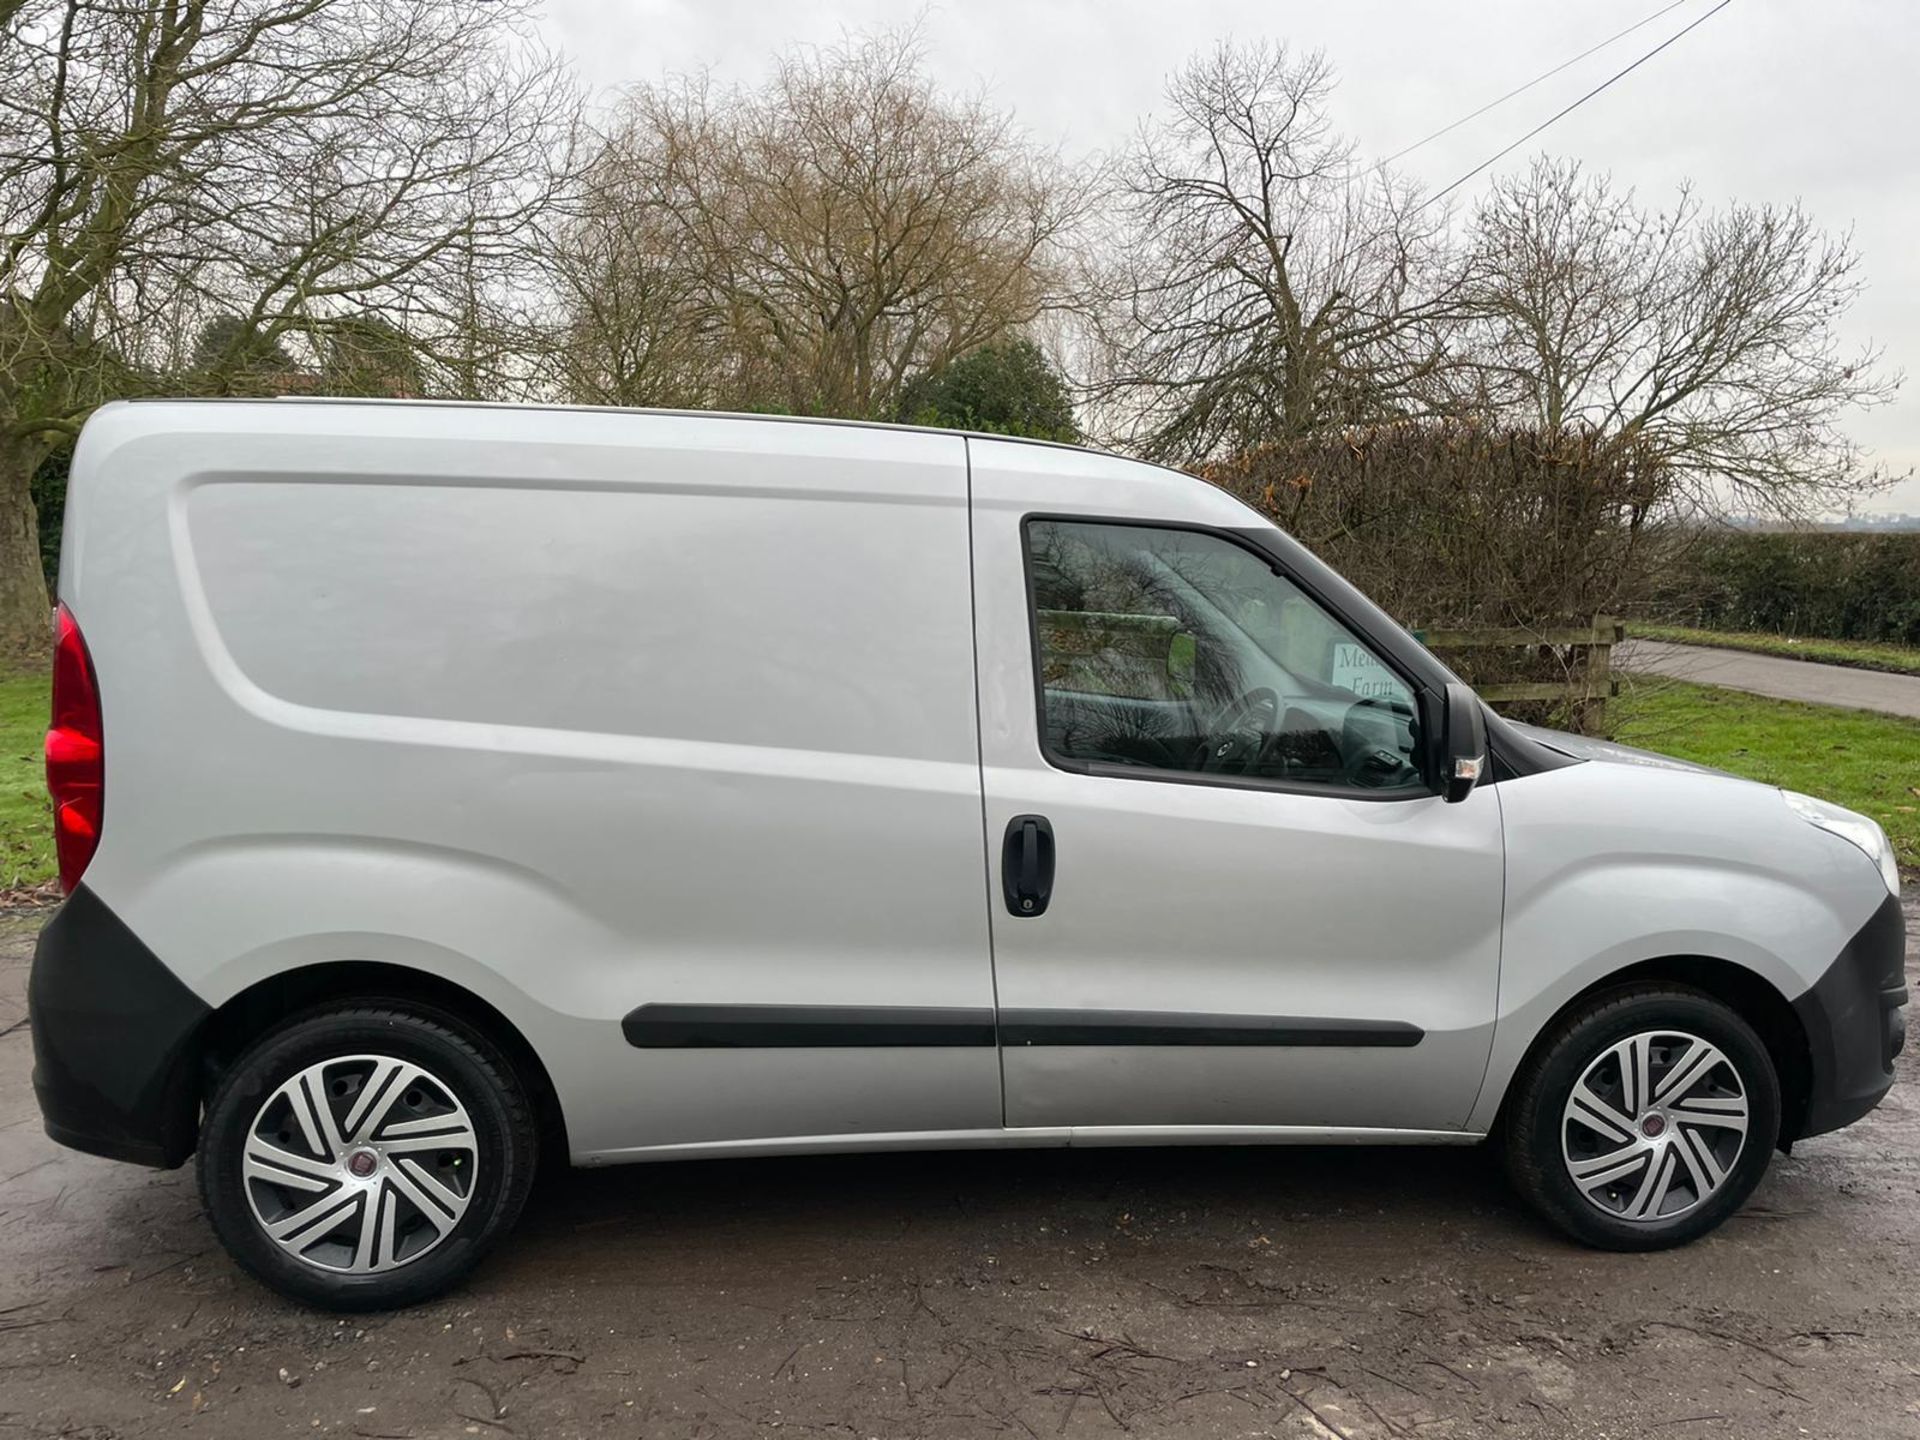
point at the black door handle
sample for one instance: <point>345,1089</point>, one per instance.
<point>1026,865</point>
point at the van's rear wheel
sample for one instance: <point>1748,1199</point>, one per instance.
<point>1644,1120</point>
<point>365,1157</point>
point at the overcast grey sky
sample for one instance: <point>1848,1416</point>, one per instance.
<point>1770,100</point>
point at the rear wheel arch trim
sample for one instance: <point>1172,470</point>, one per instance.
<point>274,1000</point>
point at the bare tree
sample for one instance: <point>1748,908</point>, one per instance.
<point>297,165</point>
<point>1707,340</point>
<point>1269,284</point>
<point>644,321</point>
<point>811,244</point>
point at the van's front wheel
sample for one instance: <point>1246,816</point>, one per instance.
<point>366,1157</point>
<point>1644,1120</point>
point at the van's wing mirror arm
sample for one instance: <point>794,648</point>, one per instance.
<point>1464,751</point>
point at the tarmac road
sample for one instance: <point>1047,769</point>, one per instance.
<point>1099,1293</point>
<point>1783,679</point>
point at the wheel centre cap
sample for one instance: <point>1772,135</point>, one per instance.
<point>362,1163</point>
<point>1653,1126</point>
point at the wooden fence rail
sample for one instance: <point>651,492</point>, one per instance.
<point>1589,683</point>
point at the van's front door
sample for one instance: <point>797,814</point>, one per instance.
<point>1223,894</point>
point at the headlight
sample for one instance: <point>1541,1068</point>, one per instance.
<point>1853,828</point>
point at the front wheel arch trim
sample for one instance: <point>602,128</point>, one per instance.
<point>1749,995</point>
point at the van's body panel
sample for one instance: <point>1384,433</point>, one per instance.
<point>687,744</point>
<point>1609,866</point>
<point>473,693</point>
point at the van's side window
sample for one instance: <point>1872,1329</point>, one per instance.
<point>1177,650</point>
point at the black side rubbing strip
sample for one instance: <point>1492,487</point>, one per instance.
<point>1133,1027</point>
<point>748,1027</point>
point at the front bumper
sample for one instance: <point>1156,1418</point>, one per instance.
<point>1856,1023</point>
<point>115,1039</point>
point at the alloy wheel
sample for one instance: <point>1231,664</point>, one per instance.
<point>1654,1126</point>
<point>360,1164</point>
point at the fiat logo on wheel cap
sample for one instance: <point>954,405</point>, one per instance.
<point>1653,1126</point>
<point>361,1163</point>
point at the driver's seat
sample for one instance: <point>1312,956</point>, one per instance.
<point>1302,749</point>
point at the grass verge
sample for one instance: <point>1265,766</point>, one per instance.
<point>1859,654</point>
<point>26,818</point>
<point>1867,762</point>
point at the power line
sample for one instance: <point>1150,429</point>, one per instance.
<point>1521,89</point>
<point>1561,114</point>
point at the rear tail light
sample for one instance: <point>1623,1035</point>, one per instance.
<point>76,760</point>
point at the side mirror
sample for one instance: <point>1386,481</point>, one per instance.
<point>1465,751</point>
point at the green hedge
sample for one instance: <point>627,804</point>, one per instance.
<point>1838,585</point>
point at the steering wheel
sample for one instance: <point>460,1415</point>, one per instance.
<point>1372,766</point>
<point>1239,735</point>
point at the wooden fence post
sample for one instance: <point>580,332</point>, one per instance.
<point>1601,686</point>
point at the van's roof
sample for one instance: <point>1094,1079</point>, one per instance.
<point>561,409</point>
<point>464,442</point>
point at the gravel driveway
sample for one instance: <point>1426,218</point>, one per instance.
<point>1085,1293</point>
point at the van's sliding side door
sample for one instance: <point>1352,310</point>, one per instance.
<point>781,844</point>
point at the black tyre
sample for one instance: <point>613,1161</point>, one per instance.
<point>1643,1119</point>
<point>366,1156</point>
